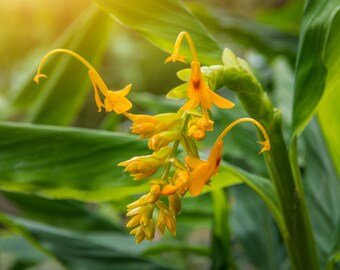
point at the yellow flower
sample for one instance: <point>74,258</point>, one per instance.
<point>147,126</point>
<point>114,100</point>
<point>198,93</point>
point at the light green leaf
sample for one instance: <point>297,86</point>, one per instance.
<point>161,21</point>
<point>328,115</point>
<point>58,99</point>
<point>67,163</point>
<point>318,62</point>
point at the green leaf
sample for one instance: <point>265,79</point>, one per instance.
<point>67,163</point>
<point>254,232</point>
<point>161,21</point>
<point>327,114</point>
<point>322,187</point>
<point>318,62</point>
<point>58,99</point>
<point>88,251</point>
<point>78,215</point>
<point>222,257</point>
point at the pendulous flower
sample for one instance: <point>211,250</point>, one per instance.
<point>202,170</point>
<point>114,100</point>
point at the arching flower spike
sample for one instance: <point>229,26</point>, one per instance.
<point>114,100</point>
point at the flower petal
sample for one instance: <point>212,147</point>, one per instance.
<point>198,178</point>
<point>123,92</point>
<point>221,101</point>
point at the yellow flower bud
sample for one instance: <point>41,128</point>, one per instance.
<point>162,139</point>
<point>134,221</point>
<point>139,235</point>
<point>149,230</point>
<point>175,203</point>
<point>170,222</point>
<point>147,126</point>
<point>199,135</point>
<point>144,166</point>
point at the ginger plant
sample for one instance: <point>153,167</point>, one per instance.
<point>170,177</point>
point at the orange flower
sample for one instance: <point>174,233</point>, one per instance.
<point>203,170</point>
<point>200,93</point>
<point>114,100</point>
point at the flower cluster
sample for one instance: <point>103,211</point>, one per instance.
<point>170,177</point>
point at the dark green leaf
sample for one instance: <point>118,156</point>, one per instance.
<point>66,213</point>
<point>257,240</point>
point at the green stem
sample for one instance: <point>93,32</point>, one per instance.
<point>175,147</point>
<point>297,232</point>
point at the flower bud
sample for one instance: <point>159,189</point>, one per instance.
<point>175,203</point>
<point>147,126</point>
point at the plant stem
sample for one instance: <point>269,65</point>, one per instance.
<point>297,233</point>
<point>174,148</point>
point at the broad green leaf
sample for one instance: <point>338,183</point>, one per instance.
<point>329,111</point>
<point>67,163</point>
<point>322,188</point>
<point>318,62</point>
<point>58,99</point>
<point>79,216</point>
<point>88,251</point>
<point>161,21</point>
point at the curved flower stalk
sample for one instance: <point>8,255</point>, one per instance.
<point>114,100</point>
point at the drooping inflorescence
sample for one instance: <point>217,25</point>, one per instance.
<point>170,177</point>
